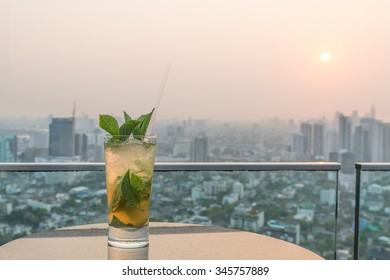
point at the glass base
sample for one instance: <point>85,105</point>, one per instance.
<point>128,237</point>
<point>115,253</point>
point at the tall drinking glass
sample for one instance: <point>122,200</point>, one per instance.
<point>129,173</point>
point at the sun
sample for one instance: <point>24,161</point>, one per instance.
<point>325,57</point>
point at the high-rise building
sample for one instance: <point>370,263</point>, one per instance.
<point>345,132</point>
<point>362,143</point>
<point>386,142</point>
<point>331,144</point>
<point>8,148</point>
<point>306,130</point>
<point>369,139</point>
<point>297,143</point>
<point>61,137</point>
<point>81,146</point>
<point>199,149</point>
<point>318,140</point>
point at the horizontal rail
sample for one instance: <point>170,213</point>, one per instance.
<point>177,166</point>
<point>373,166</point>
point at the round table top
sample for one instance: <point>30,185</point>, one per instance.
<point>168,241</point>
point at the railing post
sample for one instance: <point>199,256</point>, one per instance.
<point>357,213</point>
<point>336,216</point>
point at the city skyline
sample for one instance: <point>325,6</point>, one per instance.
<point>345,139</point>
<point>367,112</point>
<point>230,60</point>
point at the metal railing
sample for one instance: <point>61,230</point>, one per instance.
<point>192,167</point>
<point>363,166</point>
<point>177,166</point>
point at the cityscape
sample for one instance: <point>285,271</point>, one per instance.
<point>294,206</point>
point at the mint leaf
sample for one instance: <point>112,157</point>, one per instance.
<point>109,124</point>
<point>127,117</point>
<point>144,120</point>
<point>125,186</point>
<point>116,199</point>
<point>115,222</point>
<point>140,189</point>
<point>136,127</point>
<point>129,194</point>
<point>126,129</point>
<point>136,184</point>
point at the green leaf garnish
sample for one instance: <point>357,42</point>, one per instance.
<point>115,222</point>
<point>144,120</point>
<point>126,129</point>
<point>109,124</point>
<point>136,127</point>
<point>130,191</point>
<point>116,199</point>
<point>126,116</point>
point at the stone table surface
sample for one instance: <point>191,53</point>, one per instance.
<point>168,241</point>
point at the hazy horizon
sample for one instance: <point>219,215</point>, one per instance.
<point>230,60</point>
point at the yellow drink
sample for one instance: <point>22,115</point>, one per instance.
<point>129,172</point>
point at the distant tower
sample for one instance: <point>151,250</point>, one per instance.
<point>386,142</point>
<point>370,140</point>
<point>373,112</point>
<point>81,146</point>
<point>8,148</point>
<point>345,132</point>
<point>306,130</point>
<point>297,143</point>
<point>199,148</point>
<point>318,140</point>
<point>62,137</point>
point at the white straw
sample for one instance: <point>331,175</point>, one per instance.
<point>159,96</point>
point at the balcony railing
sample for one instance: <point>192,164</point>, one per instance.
<point>178,166</point>
<point>372,208</point>
<point>308,192</point>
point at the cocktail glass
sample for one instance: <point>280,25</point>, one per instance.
<point>129,173</point>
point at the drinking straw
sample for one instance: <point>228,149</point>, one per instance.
<point>159,96</point>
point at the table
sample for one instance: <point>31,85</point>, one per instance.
<point>168,241</point>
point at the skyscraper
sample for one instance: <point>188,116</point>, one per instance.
<point>386,142</point>
<point>81,146</point>
<point>8,148</point>
<point>297,143</point>
<point>345,133</point>
<point>318,140</point>
<point>369,140</point>
<point>199,149</point>
<point>306,130</point>
<point>61,137</point>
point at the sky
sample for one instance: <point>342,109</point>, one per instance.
<point>242,60</point>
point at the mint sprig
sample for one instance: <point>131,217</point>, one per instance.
<point>130,191</point>
<point>115,222</point>
<point>136,127</point>
<point>144,120</point>
<point>109,124</point>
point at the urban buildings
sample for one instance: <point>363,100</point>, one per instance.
<point>199,149</point>
<point>293,207</point>
<point>62,137</point>
<point>8,148</point>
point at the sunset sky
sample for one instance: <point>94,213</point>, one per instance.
<point>230,60</point>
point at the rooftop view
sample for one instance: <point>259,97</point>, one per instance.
<point>248,81</point>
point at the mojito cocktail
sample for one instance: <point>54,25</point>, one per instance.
<point>129,157</point>
<point>129,172</point>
